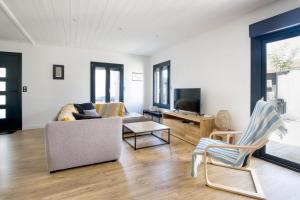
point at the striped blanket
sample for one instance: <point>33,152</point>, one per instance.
<point>264,121</point>
<point>110,109</point>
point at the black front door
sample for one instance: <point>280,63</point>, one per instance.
<point>10,92</point>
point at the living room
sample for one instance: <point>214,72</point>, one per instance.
<point>130,59</point>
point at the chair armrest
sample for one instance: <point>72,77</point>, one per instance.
<point>224,133</point>
<point>228,135</point>
<point>230,146</point>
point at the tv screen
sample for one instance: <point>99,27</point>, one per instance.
<point>188,99</point>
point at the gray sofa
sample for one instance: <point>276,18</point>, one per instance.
<point>83,142</point>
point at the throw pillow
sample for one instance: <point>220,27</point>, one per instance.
<point>65,113</point>
<point>79,116</point>
<point>91,113</point>
<point>84,106</point>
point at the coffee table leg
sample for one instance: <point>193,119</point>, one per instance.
<point>169,136</point>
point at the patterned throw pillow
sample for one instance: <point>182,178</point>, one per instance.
<point>65,113</point>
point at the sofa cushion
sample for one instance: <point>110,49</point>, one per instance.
<point>84,106</point>
<point>65,113</point>
<point>79,116</point>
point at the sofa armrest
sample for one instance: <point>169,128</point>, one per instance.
<point>82,142</point>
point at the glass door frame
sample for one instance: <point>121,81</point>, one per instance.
<point>259,83</point>
<point>108,67</point>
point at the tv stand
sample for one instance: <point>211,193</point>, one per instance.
<point>188,127</point>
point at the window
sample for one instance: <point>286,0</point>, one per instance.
<point>2,86</point>
<point>2,100</point>
<point>2,113</point>
<point>2,72</point>
<point>161,85</point>
<point>106,82</point>
<point>100,84</point>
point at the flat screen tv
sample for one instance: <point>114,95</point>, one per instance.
<point>187,99</point>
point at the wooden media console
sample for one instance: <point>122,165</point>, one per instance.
<point>188,127</point>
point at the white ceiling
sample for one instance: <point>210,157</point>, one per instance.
<point>132,26</point>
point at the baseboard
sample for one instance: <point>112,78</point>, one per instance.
<point>33,126</point>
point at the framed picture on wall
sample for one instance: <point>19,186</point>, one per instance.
<point>137,76</point>
<point>58,72</point>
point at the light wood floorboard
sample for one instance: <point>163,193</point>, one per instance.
<point>155,173</point>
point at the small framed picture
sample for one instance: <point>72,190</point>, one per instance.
<point>137,76</point>
<point>58,72</point>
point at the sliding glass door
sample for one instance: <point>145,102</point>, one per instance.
<point>281,58</point>
<point>275,76</point>
<point>106,82</point>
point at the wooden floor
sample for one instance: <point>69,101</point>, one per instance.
<point>155,173</point>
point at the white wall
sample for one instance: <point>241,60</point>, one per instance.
<point>45,96</point>
<point>217,61</point>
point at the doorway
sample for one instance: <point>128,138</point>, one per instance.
<point>107,82</point>
<point>10,92</point>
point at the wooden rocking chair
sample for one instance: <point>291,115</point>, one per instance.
<point>264,121</point>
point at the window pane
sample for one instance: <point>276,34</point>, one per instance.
<point>156,86</point>
<point>2,99</point>
<point>114,86</point>
<point>283,81</point>
<point>100,84</point>
<point>164,92</point>
<point>2,86</point>
<point>2,113</point>
<point>2,72</point>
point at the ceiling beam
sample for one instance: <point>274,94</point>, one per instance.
<point>17,23</point>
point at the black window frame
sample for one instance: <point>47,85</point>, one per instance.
<point>161,66</point>
<point>108,67</point>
